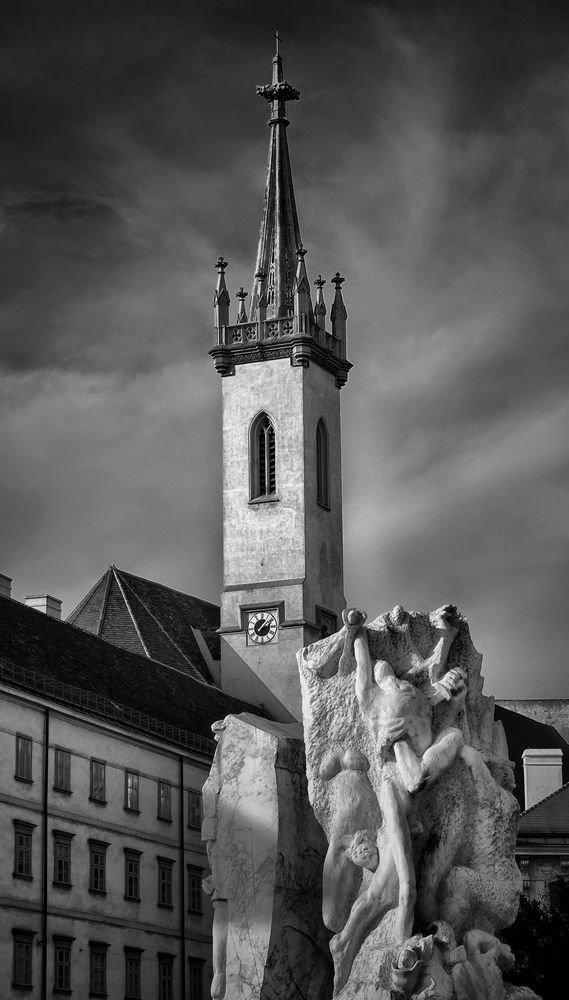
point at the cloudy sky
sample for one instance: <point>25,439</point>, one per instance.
<point>430,156</point>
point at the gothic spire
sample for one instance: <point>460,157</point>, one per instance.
<point>279,237</point>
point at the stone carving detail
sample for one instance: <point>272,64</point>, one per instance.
<point>409,777</point>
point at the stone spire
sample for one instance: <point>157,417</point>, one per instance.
<point>274,282</point>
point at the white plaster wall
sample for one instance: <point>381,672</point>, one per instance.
<point>75,911</point>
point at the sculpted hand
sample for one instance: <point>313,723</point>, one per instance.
<point>353,621</point>
<point>446,619</point>
<point>452,684</point>
<point>394,730</point>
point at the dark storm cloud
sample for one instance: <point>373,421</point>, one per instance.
<point>430,160</point>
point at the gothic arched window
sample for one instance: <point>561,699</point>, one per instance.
<point>322,474</point>
<point>262,458</point>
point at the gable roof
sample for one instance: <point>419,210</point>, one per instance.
<point>153,620</point>
<point>550,817</point>
<point>523,733</point>
<point>69,665</point>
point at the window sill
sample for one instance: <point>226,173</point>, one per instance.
<point>196,829</point>
<point>196,913</point>
<point>165,906</point>
<point>98,892</point>
<point>132,899</point>
<point>26,878</point>
<point>128,809</point>
<point>62,885</point>
<point>22,987</point>
<point>62,791</point>
<point>98,802</point>
<point>164,819</point>
<point>272,498</point>
<point>25,781</point>
<point>62,992</point>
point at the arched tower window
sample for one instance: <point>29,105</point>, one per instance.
<point>322,474</point>
<point>262,458</point>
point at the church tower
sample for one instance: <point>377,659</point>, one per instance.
<point>282,372</point>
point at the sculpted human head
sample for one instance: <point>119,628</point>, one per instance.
<point>363,850</point>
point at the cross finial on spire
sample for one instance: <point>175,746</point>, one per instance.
<point>242,314</point>
<point>278,91</point>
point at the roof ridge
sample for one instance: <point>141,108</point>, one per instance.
<point>547,797</point>
<point>84,600</point>
<point>198,676</point>
<point>129,609</point>
<point>164,586</point>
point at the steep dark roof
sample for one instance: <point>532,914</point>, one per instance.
<point>148,618</point>
<point>40,653</point>
<point>523,733</point>
<point>550,817</point>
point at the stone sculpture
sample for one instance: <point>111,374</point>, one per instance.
<point>409,776</point>
<point>266,853</point>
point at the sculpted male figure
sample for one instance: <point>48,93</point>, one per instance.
<point>397,713</point>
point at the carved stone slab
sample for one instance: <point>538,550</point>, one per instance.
<point>266,853</point>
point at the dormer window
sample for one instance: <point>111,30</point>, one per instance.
<point>322,476</point>
<point>262,458</point>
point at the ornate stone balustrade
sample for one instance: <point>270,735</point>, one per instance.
<point>272,330</point>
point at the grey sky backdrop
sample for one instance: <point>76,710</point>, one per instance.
<point>429,154</point>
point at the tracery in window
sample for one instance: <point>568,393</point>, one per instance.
<point>322,474</point>
<point>262,457</point>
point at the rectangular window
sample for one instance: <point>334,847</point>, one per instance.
<point>195,966</point>
<point>62,964</point>
<point>23,770</point>
<point>131,790</point>
<point>131,874</point>
<point>165,977</point>
<point>97,866</point>
<point>97,784</point>
<point>62,858</point>
<point>195,876</point>
<point>132,961</point>
<point>22,960</point>
<point>165,866</point>
<point>164,800</point>
<point>23,848</point>
<point>98,969</point>
<point>194,809</point>
<point>62,771</point>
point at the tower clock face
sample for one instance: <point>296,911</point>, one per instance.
<point>262,627</point>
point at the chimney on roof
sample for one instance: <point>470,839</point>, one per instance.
<point>44,602</point>
<point>5,585</point>
<point>542,773</point>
